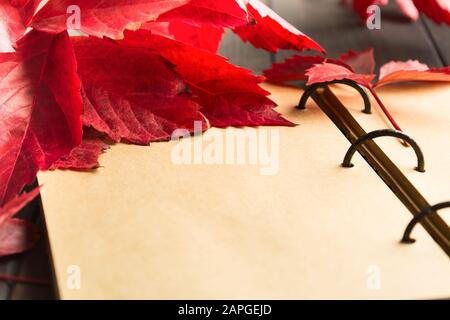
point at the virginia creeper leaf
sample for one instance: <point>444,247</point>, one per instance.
<point>360,62</point>
<point>295,68</point>
<point>271,32</point>
<point>228,95</point>
<point>326,72</point>
<point>85,156</point>
<point>14,17</point>
<point>409,71</point>
<point>12,207</point>
<point>40,108</point>
<point>101,17</point>
<point>131,93</point>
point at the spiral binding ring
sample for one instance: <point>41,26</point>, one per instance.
<point>426,212</point>
<point>384,133</point>
<point>311,89</point>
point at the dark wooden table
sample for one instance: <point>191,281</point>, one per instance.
<point>335,27</point>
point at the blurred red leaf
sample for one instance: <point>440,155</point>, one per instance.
<point>85,156</point>
<point>17,236</point>
<point>12,207</point>
<point>436,10</point>
<point>40,108</point>
<point>201,36</point>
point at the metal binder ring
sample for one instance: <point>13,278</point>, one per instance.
<point>383,133</point>
<point>311,89</point>
<point>426,212</point>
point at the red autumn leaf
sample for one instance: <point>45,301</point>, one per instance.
<point>12,207</point>
<point>200,36</point>
<point>228,95</point>
<point>411,71</point>
<point>292,69</point>
<point>327,72</point>
<point>217,13</point>
<point>100,18</point>
<point>40,108</point>
<point>436,10</point>
<point>85,156</point>
<point>16,235</point>
<point>360,6</point>
<point>271,32</point>
<point>360,62</point>
<point>14,17</point>
<point>131,93</point>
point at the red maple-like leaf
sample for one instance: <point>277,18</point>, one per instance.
<point>100,18</point>
<point>228,95</point>
<point>200,23</point>
<point>218,13</point>
<point>201,36</point>
<point>131,93</point>
<point>16,235</point>
<point>271,32</point>
<point>40,108</point>
<point>330,70</point>
<point>86,155</point>
<point>356,66</point>
<point>14,17</point>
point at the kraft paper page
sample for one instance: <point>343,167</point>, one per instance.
<point>300,227</point>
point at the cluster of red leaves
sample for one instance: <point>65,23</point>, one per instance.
<point>142,69</point>
<point>358,67</point>
<point>436,10</point>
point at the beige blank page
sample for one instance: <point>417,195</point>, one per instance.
<point>144,227</point>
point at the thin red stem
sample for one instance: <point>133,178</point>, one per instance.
<point>26,280</point>
<point>384,109</point>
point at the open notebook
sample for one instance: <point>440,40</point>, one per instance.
<point>144,227</point>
